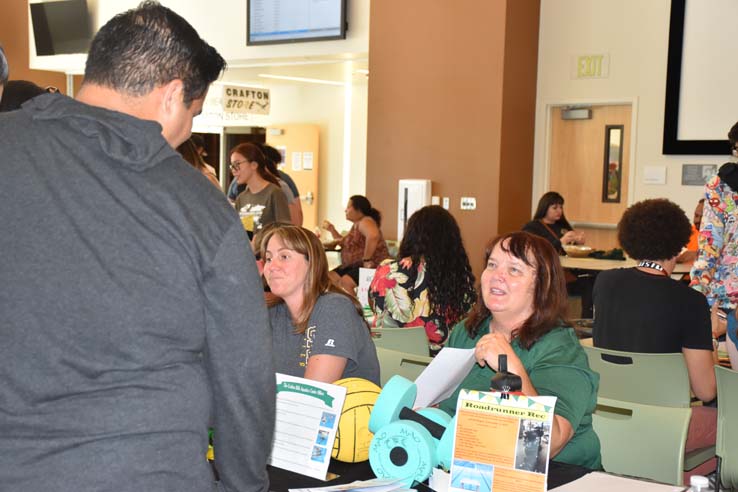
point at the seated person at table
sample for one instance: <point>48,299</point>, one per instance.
<point>642,309</point>
<point>550,223</point>
<point>519,313</point>
<point>432,285</point>
<point>362,246</point>
<point>318,331</point>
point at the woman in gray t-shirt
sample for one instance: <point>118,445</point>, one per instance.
<point>318,330</point>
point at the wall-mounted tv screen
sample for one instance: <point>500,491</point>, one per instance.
<point>293,21</point>
<point>61,27</point>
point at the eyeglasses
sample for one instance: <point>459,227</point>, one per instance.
<point>235,166</point>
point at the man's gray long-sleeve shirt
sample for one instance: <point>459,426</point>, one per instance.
<point>131,313</point>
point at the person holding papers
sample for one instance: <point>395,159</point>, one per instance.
<point>519,313</point>
<point>318,330</point>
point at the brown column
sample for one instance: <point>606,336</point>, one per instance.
<point>452,87</point>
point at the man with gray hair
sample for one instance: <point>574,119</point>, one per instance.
<point>132,311</point>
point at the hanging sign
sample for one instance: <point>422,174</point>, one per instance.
<point>245,100</point>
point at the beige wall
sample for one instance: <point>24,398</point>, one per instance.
<point>452,99</point>
<point>635,35</point>
<point>14,38</point>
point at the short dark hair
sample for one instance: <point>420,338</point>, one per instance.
<point>197,140</point>
<point>271,153</point>
<point>433,235</point>
<point>17,92</point>
<point>147,47</point>
<point>4,68</point>
<point>733,136</point>
<point>654,229</point>
<point>551,198</point>
<point>273,157</point>
<point>549,295</point>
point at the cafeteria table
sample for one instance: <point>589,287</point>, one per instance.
<point>281,480</point>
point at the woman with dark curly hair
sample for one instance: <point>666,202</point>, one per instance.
<point>432,284</point>
<point>643,309</point>
<point>519,313</point>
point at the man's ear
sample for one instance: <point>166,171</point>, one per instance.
<point>172,96</point>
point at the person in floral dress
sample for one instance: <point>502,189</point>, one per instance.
<point>430,284</point>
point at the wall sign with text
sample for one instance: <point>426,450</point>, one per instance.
<point>248,100</point>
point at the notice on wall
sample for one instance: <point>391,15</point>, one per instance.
<point>297,161</point>
<point>501,444</point>
<point>307,161</point>
<point>245,100</point>
<point>307,419</point>
<point>697,174</point>
<point>654,175</point>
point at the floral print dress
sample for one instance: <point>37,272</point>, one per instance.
<point>715,271</point>
<point>399,294</point>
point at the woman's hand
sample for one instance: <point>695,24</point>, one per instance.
<point>330,228</point>
<point>489,348</point>
<point>573,237</point>
<point>719,323</point>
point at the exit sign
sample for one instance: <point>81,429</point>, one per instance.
<point>593,66</point>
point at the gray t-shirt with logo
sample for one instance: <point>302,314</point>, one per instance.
<point>335,328</point>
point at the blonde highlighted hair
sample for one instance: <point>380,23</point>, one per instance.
<point>317,283</point>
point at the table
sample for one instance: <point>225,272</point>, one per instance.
<point>599,265</point>
<point>282,480</point>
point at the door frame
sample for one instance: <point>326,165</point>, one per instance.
<point>542,165</point>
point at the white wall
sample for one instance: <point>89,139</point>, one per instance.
<point>222,23</point>
<point>323,105</point>
<point>635,34</point>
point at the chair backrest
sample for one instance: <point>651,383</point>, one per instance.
<point>412,340</point>
<point>393,362</point>
<point>726,446</point>
<point>649,379</point>
<point>642,440</point>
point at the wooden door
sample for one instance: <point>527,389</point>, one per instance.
<point>576,170</point>
<point>299,143</point>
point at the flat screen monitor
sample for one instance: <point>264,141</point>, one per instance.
<point>294,21</point>
<point>61,27</point>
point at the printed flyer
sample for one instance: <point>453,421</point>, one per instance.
<point>501,444</point>
<point>307,418</point>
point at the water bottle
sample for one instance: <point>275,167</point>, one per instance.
<point>698,483</point>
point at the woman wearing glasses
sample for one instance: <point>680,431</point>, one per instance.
<point>263,201</point>
<point>318,330</point>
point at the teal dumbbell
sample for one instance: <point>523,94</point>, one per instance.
<point>408,444</point>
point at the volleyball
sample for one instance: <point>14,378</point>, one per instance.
<point>352,436</point>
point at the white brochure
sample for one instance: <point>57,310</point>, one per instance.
<point>307,418</point>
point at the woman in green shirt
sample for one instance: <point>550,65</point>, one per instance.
<point>519,313</point>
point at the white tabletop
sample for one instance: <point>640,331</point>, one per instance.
<point>595,264</point>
